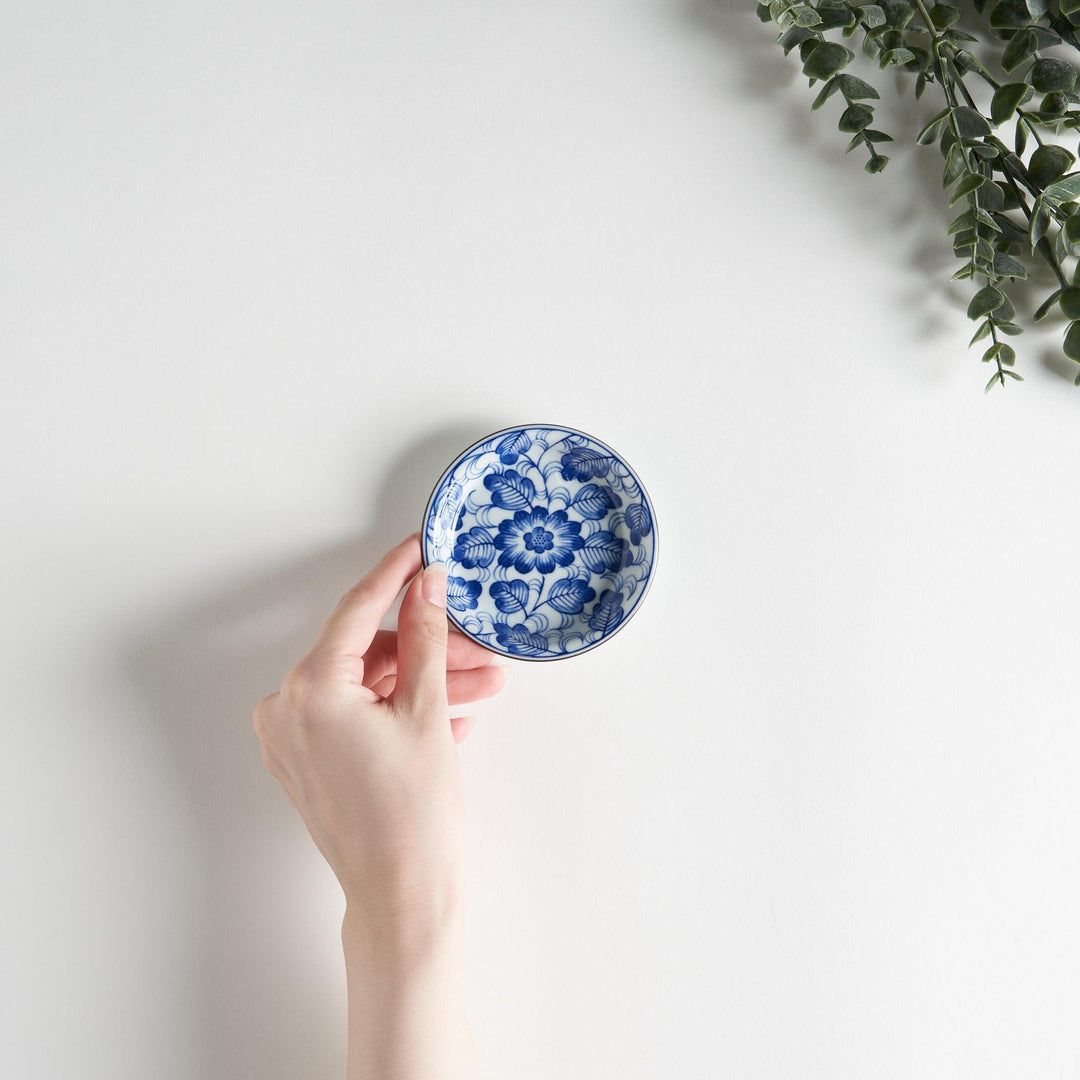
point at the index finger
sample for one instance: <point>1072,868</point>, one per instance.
<point>350,629</point>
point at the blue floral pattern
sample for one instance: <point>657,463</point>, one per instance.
<point>549,540</point>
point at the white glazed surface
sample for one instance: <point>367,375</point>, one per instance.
<point>266,269</point>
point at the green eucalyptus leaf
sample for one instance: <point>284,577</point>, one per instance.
<point>955,165</point>
<point>826,60</point>
<point>1069,302</point>
<point>944,15</point>
<point>763,13</point>
<point>872,15</point>
<point>982,332</point>
<point>898,56</point>
<point>835,16</point>
<point>855,89</point>
<point>856,117</point>
<point>1006,354</point>
<point>986,300</point>
<point>966,220</point>
<point>930,133</point>
<point>1009,15</point>
<point>1020,47</point>
<point>1007,99</point>
<point>990,198</point>
<point>1047,75</point>
<point>991,352</point>
<point>1064,190</point>
<point>1072,342</point>
<point>793,37</point>
<point>898,12</point>
<point>1007,266</point>
<point>876,163</point>
<point>1054,104</point>
<point>1020,137</point>
<point>1040,222</point>
<point>1044,308</point>
<point>1009,199</point>
<point>1069,7</point>
<point>827,92</point>
<point>1048,163</point>
<point>1037,9</point>
<point>971,182</point>
<point>995,378</point>
<point>970,124</point>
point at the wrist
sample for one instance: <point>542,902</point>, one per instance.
<point>407,932</point>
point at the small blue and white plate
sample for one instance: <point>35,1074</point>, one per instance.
<point>549,541</point>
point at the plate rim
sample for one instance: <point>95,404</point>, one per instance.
<point>614,453</point>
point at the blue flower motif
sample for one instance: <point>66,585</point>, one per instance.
<point>535,539</point>
<point>520,640</point>
<point>462,595</point>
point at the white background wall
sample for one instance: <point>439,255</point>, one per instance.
<point>265,268</point>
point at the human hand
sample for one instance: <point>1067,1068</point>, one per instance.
<point>360,737</point>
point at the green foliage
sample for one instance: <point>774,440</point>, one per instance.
<point>1016,190</point>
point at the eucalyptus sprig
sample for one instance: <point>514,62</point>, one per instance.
<point>1016,183</point>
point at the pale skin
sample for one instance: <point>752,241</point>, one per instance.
<point>361,738</point>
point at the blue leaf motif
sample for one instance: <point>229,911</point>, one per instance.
<point>474,548</point>
<point>510,596</point>
<point>512,447</point>
<point>570,595</point>
<point>603,552</point>
<point>608,612</point>
<point>593,501</point>
<point>583,463</point>
<point>461,595</point>
<point>509,490</point>
<point>640,521</point>
<point>520,640</point>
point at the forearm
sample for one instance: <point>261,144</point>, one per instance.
<point>407,1016</point>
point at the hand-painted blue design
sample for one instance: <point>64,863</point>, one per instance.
<point>583,463</point>
<point>461,595</point>
<point>535,539</point>
<point>510,596</point>
<point>509,491</point>
<point>549,539</point>
<point>640,522</point>
<point>594,501</point>
<point>520,641</point>
<point>510,448</point>
<point>474,548</point>
<point>608,612</point>
<point>570,595</point>
<point>603,552</point>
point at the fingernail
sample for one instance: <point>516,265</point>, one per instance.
<point>433,586</point>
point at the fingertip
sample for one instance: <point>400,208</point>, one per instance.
<point>460,726</point>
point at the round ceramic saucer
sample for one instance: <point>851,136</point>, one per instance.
<point>548,538</point>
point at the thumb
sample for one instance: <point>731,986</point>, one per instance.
<point>422,629</point>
